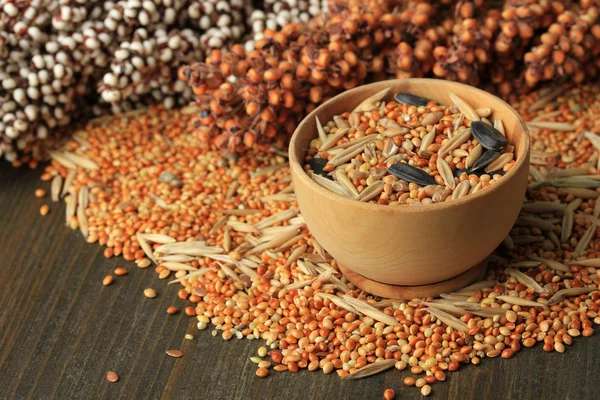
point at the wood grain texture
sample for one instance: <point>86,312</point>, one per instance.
<point>61,331</point>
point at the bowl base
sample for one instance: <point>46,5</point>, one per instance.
<point>410,292</point>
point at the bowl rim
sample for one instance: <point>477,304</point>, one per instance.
<point>297,164</point>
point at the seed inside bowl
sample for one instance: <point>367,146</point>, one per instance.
<point>410,150</point>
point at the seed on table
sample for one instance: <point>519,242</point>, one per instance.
<point>401,365</point>
<point>108,279</point>
<point>262,372</point>
<point>172,310</point>
<point>40,193</point>
<point>189,337</point>
<point>120,271</point>
<point>44,210</point>
<point>112,376</point>
<point>150,293</point>
<point>175,353</point>
<point>507,353</point>
<point>262,351</point>
<point>409,381</point>
<point>426,390</point>
<point>420,382</point>
<point>190,311</point>
<point>389,394</point>
<point>559,347</point>
<point>164,274</point>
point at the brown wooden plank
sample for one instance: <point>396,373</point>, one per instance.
<point>61,331</point>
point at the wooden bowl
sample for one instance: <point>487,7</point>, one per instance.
<point>412,245</point>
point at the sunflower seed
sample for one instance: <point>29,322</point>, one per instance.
<point>486,159</point>
<point>411,99</point>
<point>411,174</point>
<point>317,165</point>
<point>464,107</point>
<point>489,137</point>
<point>446,173</point>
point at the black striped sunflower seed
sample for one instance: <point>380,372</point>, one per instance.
<point>486,159</point>
<point>411,99</point>
<point>411,174</point>
<point>459,172</point>
<point>317,165</point>
<point>489,137</point>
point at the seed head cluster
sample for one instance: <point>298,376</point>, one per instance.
<point>62,60</point>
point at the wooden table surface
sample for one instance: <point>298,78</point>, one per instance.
<point>61,331</point>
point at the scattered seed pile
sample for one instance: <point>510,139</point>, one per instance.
<point>227,229</point>
<point>506,46</point>
<point>409,151</point>
<point>61,60</point>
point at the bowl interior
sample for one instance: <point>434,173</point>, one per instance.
<point>434,89</point>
